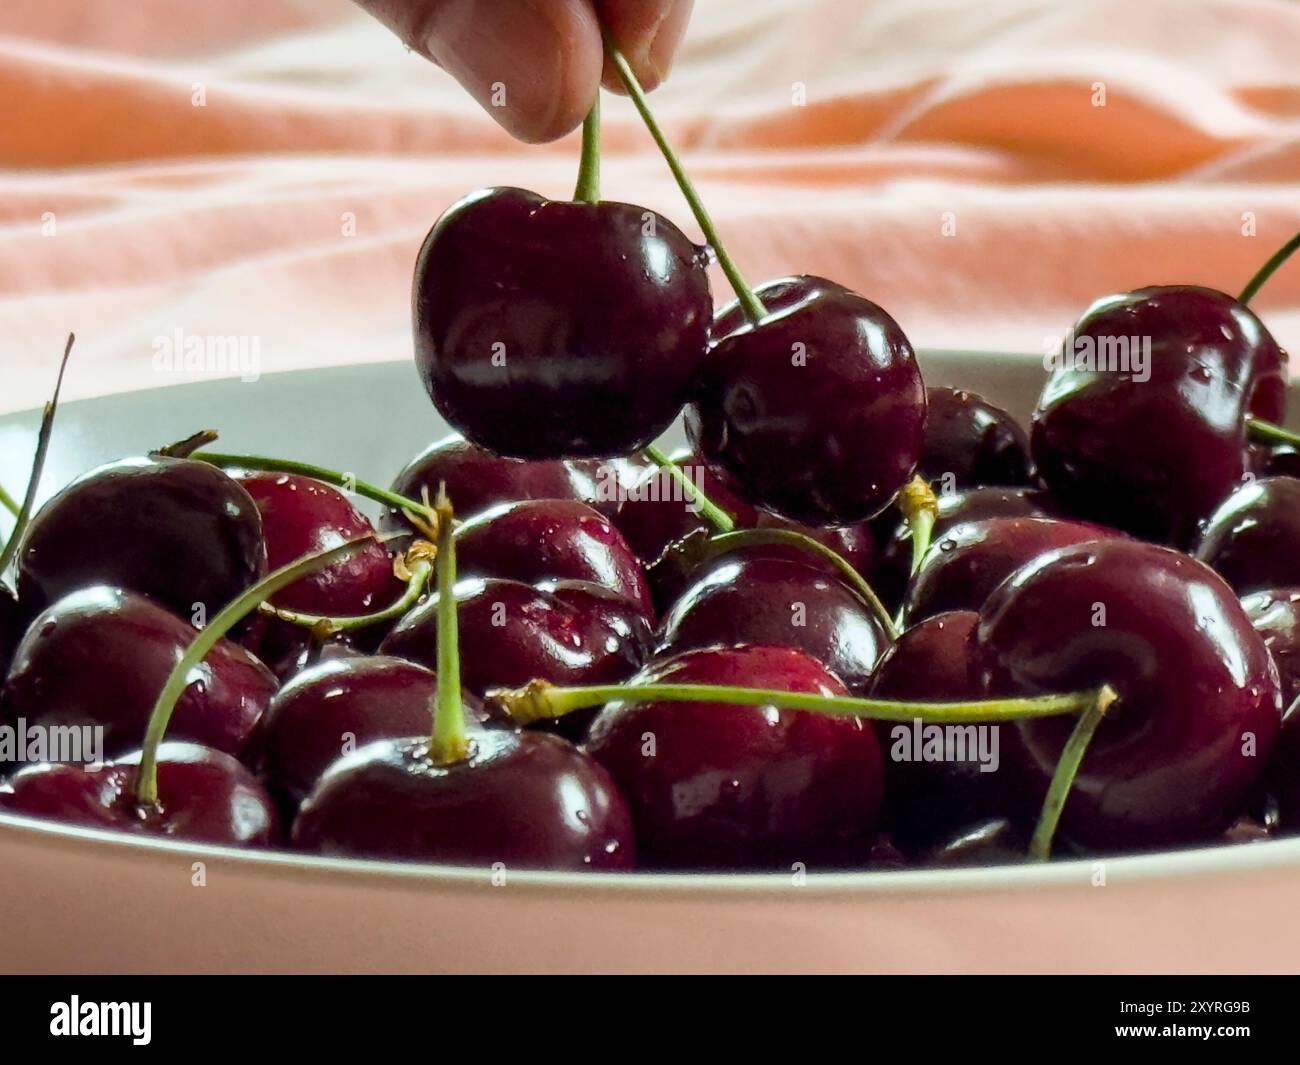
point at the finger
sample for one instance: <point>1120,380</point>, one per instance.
<point>534,65</point>
<point>648,32</point>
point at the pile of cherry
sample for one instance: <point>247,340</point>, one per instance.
<point>697,662</point>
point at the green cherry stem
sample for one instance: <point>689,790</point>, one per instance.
<point>449,742</point>
<point>588,187</point>
<point>43,436</point>
<point>1268,269</point>
<point>753,306</point>
<point>541,701</point>
<point>920,509</point>
<point>422,514</point>
<point>9,503</point>
<point>721,544</point>
<point>1067,768</point>
<point>709,510</point>
<point>1268,433</point>
<point>146,783</point>
<point>418,563</point>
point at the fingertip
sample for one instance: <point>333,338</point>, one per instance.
<point>648,34</point>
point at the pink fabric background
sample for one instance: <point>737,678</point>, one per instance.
<point>228,219</point>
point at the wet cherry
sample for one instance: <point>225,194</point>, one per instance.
<point>1199,705</point>
<point>547,329</point>
<point>178,530</point>
<point>969,443</point>
<point>1115,445</point>
<point>817,411</point>
<point>763,600</point>
<point>738,787</point>
<point>100,656</point>
<point>209,796</point>
<point>1253,539</point>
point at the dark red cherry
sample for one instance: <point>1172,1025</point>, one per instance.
<point>204,795</point>
<point>546,329</point>
<point>817,412</point>
<point>934,787</point>
<point>741,787</point>
<point>1276,617</point>
<point>101,656</point>
<point>968,561</point>
<point>511,633</point>
<point>477,479</point>
<point>520,800</point>
<point>1280,461</point>
<point>337,706</point>
<point>300,516</point>
<point>1182,750</point>
<point>969,443</point>
<point>178,530</point>
<point>1253,539</point>
<point>12,625</point>
<point>990,841</point>
<point>763,600</point>
<point>539,540</point>
<point>957,508</point>
<point>1154,450</point>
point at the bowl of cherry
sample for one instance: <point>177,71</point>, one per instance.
<point>630,635</point>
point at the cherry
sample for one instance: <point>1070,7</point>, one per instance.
<point>11,627</point>
<point>210,797</point>
<point>927,799</point>
<point>492,797</point>
<point>965,564</point>
<point>178,530</point>
<point>738,787</point>
<point>1253,539</point>
<point>568,632</point>
<point>1276,617</point>
<point>969,442</point>
<point>100,657</point>
<point>340,704</point>
<point>478,479</point>
<point>547,329</point>
<point>815,411</point>
<point>1280,461</point>
<point>744,598</point>
<point>1115,446</point>
<point>956,508</point>
<point>551,540</point>
<point>1199,698</point>
<point>990,841</point>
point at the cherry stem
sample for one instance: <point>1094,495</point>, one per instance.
<point>920,509</point>
<point>421,514</point>
<point>1268,433</point>
<point>9,503</point>
<point>588,188</point>
<point>718,545</point>
<point>712,513</point>
<point>418,564</point>
<point>43,436</point>
<point>1067,768</point>
<point>449,742</point>
<point>539,700</point>
<point>1268,269</point>
<point>146,783</point>
<point>753,306</point>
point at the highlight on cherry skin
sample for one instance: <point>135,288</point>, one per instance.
<point>864,621</point>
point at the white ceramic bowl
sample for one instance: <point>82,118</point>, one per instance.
<point>73,900</point>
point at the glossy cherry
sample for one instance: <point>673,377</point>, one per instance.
<point>1253,539</point>
<point>1155,456</point>
<point>100,656</point>
<point>988,841</point>
<point>178,530</point>
<point>539,540</point>
<point>969,560</point>
<point>511,632</point>
<point>930,798</point>
<point>1276,617</point>
<point>969,443</point>
<point>12,625</point>
<point>763,600</point>
<point>208,797</point>
<point>546,328</point>
<point>817,411</point>
<point>477,479</point>
<point>738,787</point>
<point>1199,707</point>
<point>337,706</point>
